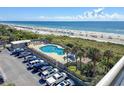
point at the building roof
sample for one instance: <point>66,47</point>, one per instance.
<point>21,41</point>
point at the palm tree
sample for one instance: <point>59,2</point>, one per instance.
<point>95,56</point>
<point>49,39</point>
<point>80,55</point>
<point>67,51</point>
<point>85,52</point>
<point>108,54</point>
<point>75,50</point>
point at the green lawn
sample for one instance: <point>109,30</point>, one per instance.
<point>73,69</point>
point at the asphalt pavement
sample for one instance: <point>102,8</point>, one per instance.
<point>15,71</point>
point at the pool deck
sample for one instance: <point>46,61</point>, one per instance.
<point>59,58</point>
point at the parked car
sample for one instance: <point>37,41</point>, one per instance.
<point>10,48</point>
<point>45,68</point>
<point>1,79</point>
<point>33,58</point>
<point>16,51</point>
<point>31,64</point>
<point>24,54</point>
<point>56,78</point>
<point>67,82</point>
<point>48,73</point>
<point>30,58</point>
<point>33,61</point>
<point>36,67</point>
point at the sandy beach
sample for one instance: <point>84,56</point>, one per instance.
<point>98,36</point>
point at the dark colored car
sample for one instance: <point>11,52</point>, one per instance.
<point>10,48</point>
<point>40,65</point>
<point>33,58</point>
<point>24,54</point>
<point>17,51</point>
<point>29,58</point>
<point>1,79</point>
<point>45,68</point>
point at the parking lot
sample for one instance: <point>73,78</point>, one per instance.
<point>23,67</point>
<point>15,71</point>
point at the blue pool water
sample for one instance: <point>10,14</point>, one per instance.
<point>52,49</point>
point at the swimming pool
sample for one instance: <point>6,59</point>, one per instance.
<point>50,48</point>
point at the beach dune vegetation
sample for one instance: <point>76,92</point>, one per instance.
<point>102,55</point>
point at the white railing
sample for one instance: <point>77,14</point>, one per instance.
<point>112,74</point>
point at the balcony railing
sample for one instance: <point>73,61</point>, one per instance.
<point>112,75</point>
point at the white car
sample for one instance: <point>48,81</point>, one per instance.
<point>48,73</point>
<point>67,82</point>
<point>56,78</point>
<point>37,60</point>
<point>32,63</point>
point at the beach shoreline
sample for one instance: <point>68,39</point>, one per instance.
<point>90,35</point>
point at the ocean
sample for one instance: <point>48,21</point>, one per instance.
<point>116,27</point>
